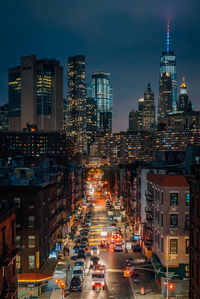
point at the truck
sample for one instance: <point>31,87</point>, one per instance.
<point>99,277</point>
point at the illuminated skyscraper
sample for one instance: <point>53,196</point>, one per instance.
<point>168,81</point>
<point>36,94</point>
<point>91,121</point>
<point>183,102</point>
<point>75,116</point>
<point>144,118</point>
<point>102,92</point>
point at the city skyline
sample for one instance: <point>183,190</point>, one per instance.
<point>130,50</point>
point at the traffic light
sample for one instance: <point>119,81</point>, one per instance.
<point>171,286</point>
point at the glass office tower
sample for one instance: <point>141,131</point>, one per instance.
<point>102,92</point>
<point>167,70</point>
<point>75,122</point>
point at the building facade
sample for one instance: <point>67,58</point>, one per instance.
<point>194,182</point>
<point>168,80</point>
<point>91,120</point>
<point>133,121</point>
<point>8,251</point>
<point>75,114</point>
<point>102,92</point>
<point>183,102</point>
<point>37,144</point>
<point>4,118</point>
<point>36,94</point>
<point>168,215</point>
<point>39,193</point>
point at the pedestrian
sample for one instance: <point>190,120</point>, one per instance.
<point>68,251</point>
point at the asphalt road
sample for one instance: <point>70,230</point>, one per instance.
<point>116,285</point>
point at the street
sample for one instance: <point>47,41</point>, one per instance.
<point>117,286</point>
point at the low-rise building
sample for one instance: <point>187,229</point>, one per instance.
<point>8,252</point>
<point>168,215</point>
<point>194,182</point>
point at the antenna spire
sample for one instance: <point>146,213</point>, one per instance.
<point>168,31</point>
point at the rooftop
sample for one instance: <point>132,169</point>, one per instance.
<point>167,180</point>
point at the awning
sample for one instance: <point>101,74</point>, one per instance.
<point>46,273</point>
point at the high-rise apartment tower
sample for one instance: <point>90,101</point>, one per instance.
<point>36,94</point>
<point>75,114</point>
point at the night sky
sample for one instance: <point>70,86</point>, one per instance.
<point>123,37</point>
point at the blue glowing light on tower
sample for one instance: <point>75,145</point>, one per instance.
<point>168,41</point>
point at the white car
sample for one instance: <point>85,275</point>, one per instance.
<point>78,271</point>
<point>104,233</point>
<point>94,250</point>
<point>118,247</point>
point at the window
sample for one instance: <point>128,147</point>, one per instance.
<point>187,246</point>
<point>173,220</point>
<point>173,199</point>
<point>173,246</point>
<point>18,261</point>
<point>161,240</point>
<point>162,219</point>
<point>187,221</point>
<point>31,241</point>
<point>31,221</point>
<point>162,198</point>
<point>187,200</point>
<point>17,201</point>
<point>18,241</point>
<point>31,261</point>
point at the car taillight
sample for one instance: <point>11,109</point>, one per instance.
<point>93,283</point>
<point>103,283</point>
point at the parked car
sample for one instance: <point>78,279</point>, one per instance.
<point>84,245</point>
<point>137,248</point>
<point>84,239</point>
<point>78,270</point>
<point>76,284</point>
<point>84,233</point>
<point>76,248</point>
<point>81,254</point>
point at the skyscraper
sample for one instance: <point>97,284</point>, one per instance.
<point>168,81</point>
<point>183,102</point>
<point>144,118</point>
<point>91,121</point>
<point>75,115</point>
<point>133,121</point>
<point>148,113</point>
<point>102,92</point>
<point>36,94</point>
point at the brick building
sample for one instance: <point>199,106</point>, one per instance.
<point>169,223</point>
<point>194,182</point>
<point>41,209</point>
<point>8,273</point>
